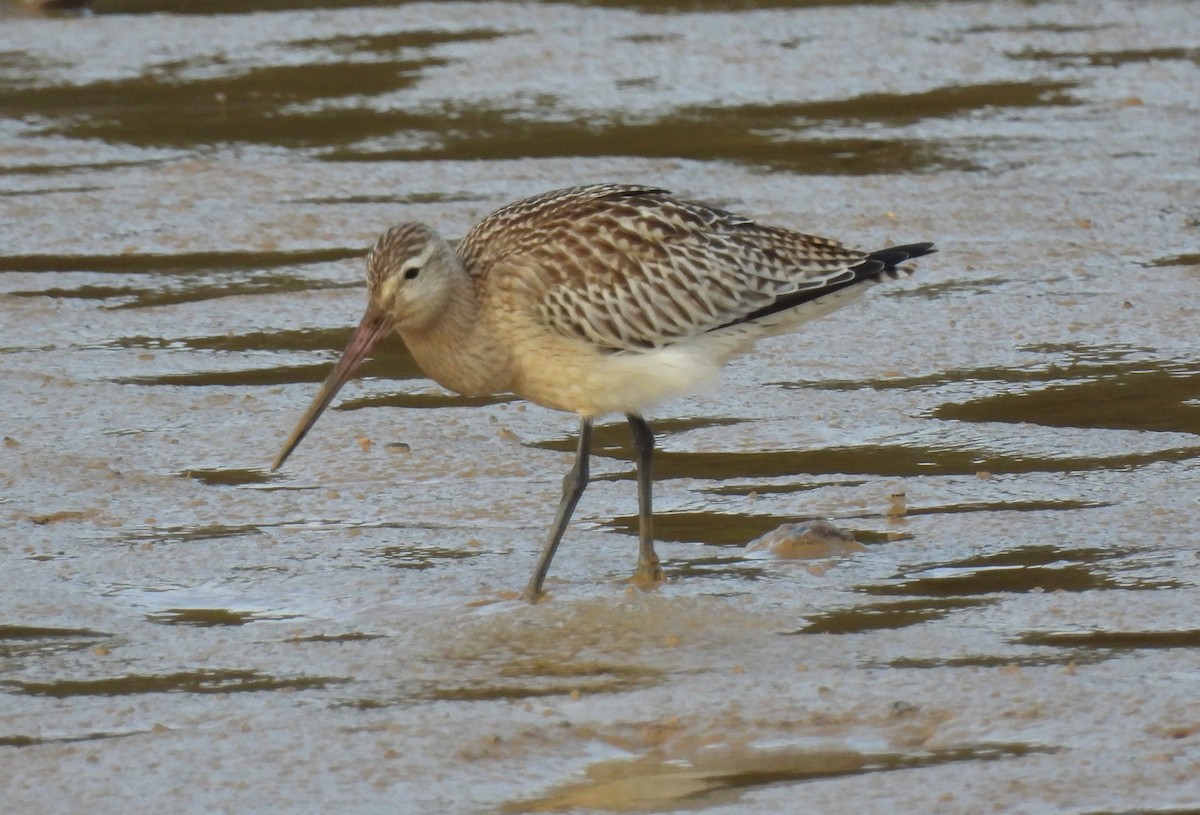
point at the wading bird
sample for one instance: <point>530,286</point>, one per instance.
<point>594,300</point>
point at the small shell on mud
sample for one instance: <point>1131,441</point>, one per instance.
<point>802,541</point>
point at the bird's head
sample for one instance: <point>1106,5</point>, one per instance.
<point>409,271</point>
<point>410,274</point>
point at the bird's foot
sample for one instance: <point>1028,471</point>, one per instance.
<point>649,575</point>
<point>533,595</point>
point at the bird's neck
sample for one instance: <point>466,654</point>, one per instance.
<point>455,349</point>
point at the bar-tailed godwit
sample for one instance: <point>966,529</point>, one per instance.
<point>600,299</point>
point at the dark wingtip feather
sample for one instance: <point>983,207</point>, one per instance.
<point>872,267</point>
<point>895,255</point>
<point>886,261</point>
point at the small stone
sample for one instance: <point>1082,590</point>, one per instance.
<point>806,540</point>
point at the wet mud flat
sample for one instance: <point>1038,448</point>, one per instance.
<point>1011,435</point>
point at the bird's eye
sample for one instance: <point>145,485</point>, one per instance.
<point>411,272</point>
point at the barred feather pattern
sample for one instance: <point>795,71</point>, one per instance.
<point>606,298</point>
<point>631,268</point>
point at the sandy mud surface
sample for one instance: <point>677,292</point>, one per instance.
<point>1011,436</point>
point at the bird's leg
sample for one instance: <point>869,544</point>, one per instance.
<point>648,570</point>
<point>573,485</point>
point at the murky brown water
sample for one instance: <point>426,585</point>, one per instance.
<point>184,202</point>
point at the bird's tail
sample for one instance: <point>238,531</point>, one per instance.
<point>887,261</point>
<point>799,307</point>
<point>790,311</point>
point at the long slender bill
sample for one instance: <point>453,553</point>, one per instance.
<point>375,324</point>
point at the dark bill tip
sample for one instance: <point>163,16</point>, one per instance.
<point>375,324</point>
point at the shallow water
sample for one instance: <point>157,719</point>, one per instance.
<point>1012,434</point>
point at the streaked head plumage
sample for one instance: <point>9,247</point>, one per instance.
<point>397,249</point>
<point>406,272</point>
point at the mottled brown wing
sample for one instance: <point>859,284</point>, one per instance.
<point>631,268</point>
<point>515,228</point>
